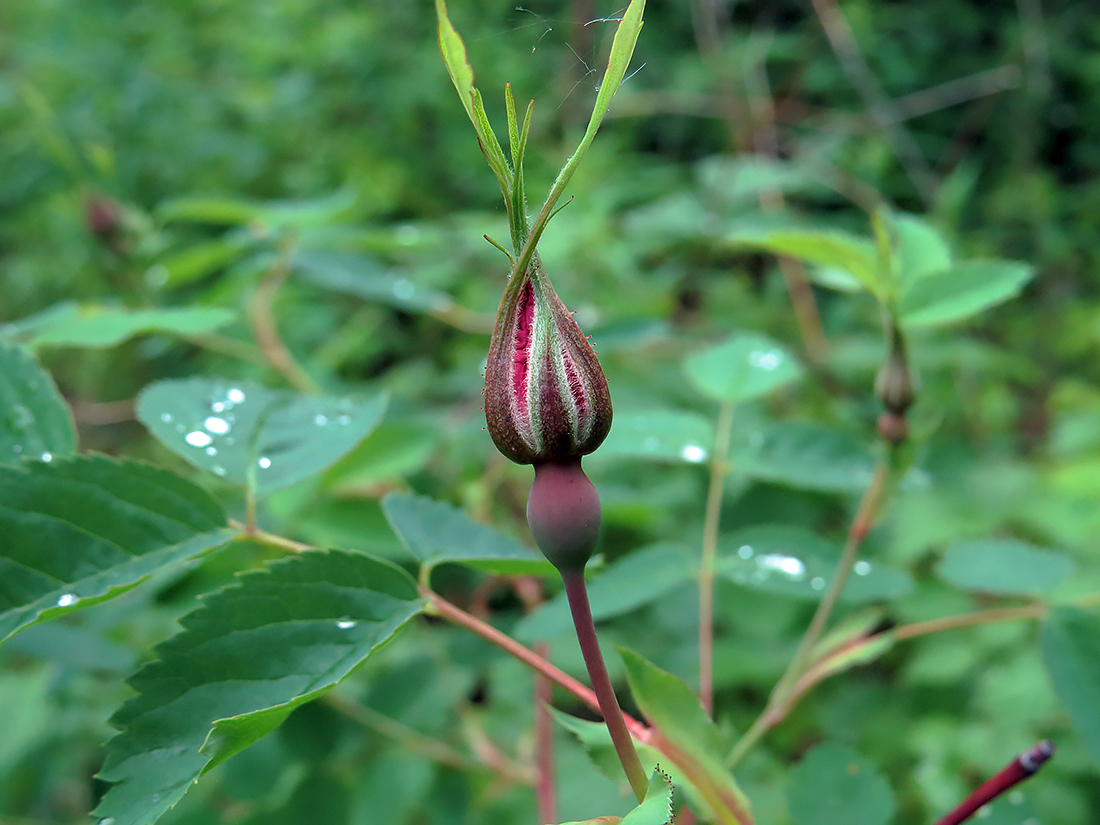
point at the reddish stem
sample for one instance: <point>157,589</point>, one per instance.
<point>544,744</point>
<point>1015,772</point>
<point>597,671</point>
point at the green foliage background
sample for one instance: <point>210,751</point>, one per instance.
<point>229,140</point>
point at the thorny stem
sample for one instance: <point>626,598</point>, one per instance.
<point>453,613</point>
<point>719,467</point>
<point>266,333</point>
<point>597,671</point>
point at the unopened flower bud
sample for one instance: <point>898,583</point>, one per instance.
<point>894,385</point>
<point>546,397</point>
<point>563,511</point>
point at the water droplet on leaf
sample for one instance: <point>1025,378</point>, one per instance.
<point>693,453</point>
<point>218,426</point>
<point>198,438</point>
<point>346,622</point>
<point>264,462</point>
<point>235,395</point>
<point>66,600</point>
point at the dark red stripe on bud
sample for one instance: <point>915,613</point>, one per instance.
<point>546,397</point>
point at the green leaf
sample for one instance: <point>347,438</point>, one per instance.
<point>638,579</point>
<point>662,435</point>
<point>98,326</point>
<point>35,421</point>
<point>656,809</point>
<point>961,291</point>
<point>919,249</point>
<point>1004,566</point>
<point>690,738</point>
<point>790,561</point>
<point>354,274</point>
<point>252,435</point>
<point>435,533</point>
<point>396,449</point>
<point>80,531</point>
<point>805,455</point>
<point>278,214</point>
<point>196,262</point>
<point>251,654</point>
<point>1071,650</point>
<point>462,76</point>
<point>745,366</point>
<point>833,785</point>
<point>824,249</point>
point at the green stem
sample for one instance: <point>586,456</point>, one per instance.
<point>719,468</point>
<point>861,525</point>
<point>577,594</point>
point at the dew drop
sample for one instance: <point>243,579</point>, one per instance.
<point>46,457</point>
<point>198,438</point>
<point>218,470</point>
<point>107,820</point>
<point>156,276</point>
<point>745,552</point>
<point>219,406</point>
<point>210,451</point>
<point>235,395</point>
<point>166,418</point>
<point>787,565</point>
<point>764,360</point>
<point>346,623</point>
<point>862,568</point>
<point>320,420</point>
<point>344,419</point>
<point>817,583</point>
<point>693,453</point>
<point>218,426</point>
<point>180,428</point>
<point>66,600</point>
<point>264,462</point>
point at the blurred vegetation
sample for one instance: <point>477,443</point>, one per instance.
<point>306,166</point>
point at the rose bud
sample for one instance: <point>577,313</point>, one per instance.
<point>895,384</point>
<point>546,397</point>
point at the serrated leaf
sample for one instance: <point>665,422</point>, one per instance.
<point>435,532</point>
<point>819,248</point>
<point>745,366</point>
<point>656,808</point>
<point>660,435</point>
<point>244,660</point>
<point>687,735</point>
<point>79,531</point>
<point>790,561</point>
<point>804,454</point>
<point>98,326</point>
<point>249,434</point>
<point>1070,643</point>
<point>35,421</point>
<point>356,274</point>
<point>1004,566</point>
<point>834,785</point>
<point>961,291</point>
<point>638,579</point>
